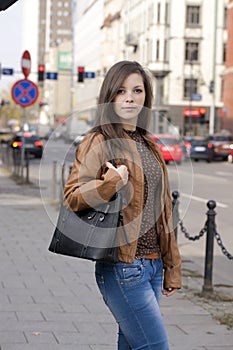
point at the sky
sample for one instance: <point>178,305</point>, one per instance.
<point>18,32</point>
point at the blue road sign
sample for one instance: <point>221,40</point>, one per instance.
<point>196,97</point>
<point>24,92</point>
<point>51,75</point>
<point>89,75</point>
<point>7,71</point>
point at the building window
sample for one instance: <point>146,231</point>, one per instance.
<point>225,18</point>
<point>224,53</point>
<point>165,57</point>
<point>190,87</point>
<point>158,12</point>
<point>192,16</point>
<point>149,50</point>
<point>191,51</point>
<point>157,50</point>
<point>222,89</point>
<point>151,14</point>
<point>166,13</point>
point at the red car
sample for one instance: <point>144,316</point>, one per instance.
<point>170,147</point>
<point>230,156</point>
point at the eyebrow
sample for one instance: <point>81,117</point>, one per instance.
<point>137,86</point>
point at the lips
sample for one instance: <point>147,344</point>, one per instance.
<point>129,108</point>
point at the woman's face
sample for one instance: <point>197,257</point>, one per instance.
<point>130,99</point>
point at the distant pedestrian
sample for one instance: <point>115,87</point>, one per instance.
<point>150,265</point>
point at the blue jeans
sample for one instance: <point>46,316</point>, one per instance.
<point>132,293</point>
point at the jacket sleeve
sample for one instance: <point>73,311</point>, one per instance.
<point>171,260</point>
<point>90,183</point>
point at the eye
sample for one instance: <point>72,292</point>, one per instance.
<point>120,91</point>
<point>138,91</point>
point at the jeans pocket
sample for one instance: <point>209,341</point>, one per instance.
<point>131,273</point>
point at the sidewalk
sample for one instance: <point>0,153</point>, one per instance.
<point>49,302</point>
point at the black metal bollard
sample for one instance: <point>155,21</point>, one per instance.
<point>208,287</point>
<point>27,170</point>
<point>175,211</point>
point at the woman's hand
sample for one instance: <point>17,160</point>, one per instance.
<point>121,170</point>
<point>169,291</point>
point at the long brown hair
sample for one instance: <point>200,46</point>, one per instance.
<point>107,121</point>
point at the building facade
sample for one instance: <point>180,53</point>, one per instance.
<point>55,35</point>
<point>183,44</point>
<point>227,115</point>
<point>55,25</point>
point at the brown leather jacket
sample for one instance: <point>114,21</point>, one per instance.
<point>91,183</point>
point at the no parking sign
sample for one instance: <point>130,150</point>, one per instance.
<point>24,92</point>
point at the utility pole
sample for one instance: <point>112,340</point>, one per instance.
<point>212,107</point>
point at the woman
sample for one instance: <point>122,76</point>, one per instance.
<point>132,287</point>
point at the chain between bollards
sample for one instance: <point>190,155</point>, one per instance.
<point>208,228</point>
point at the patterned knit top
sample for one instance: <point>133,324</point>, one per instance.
<point>148,239</point>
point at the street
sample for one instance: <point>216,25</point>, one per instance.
<point>196,182</point>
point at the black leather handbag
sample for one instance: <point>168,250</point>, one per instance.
<point>90,234</point>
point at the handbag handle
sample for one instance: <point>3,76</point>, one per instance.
<point>112,155</point>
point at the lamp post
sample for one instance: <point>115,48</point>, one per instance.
<point>190,94</point>
<point>212,107</point>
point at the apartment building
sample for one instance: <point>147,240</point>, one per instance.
<point>55,25</point>
<point>55,53</point>
<point>182,43</point>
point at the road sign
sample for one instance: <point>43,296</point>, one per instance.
<point>51,75</point>
<point>196,97</point>
<point>24,92</point>
<point>26,63</point>
<point>90,75</point>
<point>7,71</point>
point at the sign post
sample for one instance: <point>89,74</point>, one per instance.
<point>25,93</point>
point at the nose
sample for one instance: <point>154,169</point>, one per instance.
<point>129,97</point>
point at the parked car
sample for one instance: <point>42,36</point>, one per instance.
<point>200,149</point>
<point>33,144</point>
<point>170,147</point>
<point>221,144</point>
<point>230,156</point>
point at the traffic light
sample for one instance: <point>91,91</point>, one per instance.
<point>81,73</point>
<point>41,72</point>
<point>211,87</point>
<point>202,112</point>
